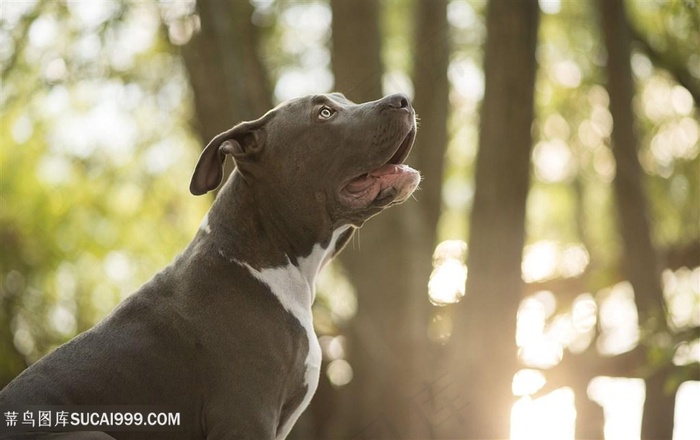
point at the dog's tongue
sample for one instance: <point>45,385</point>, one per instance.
<point>361,183</point>
<point>388,169</point>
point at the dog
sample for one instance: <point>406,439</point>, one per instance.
<point>225,332</point>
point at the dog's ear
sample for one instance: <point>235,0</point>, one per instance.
<point>244,142</point>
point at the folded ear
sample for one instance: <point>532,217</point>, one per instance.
<point>244,142</point>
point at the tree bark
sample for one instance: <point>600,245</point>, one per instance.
<point>357,67</point>
<point>640,259</point>
<point>483,351</point>
<point>431,85</point>
<point>357,49</point>
<point>227,75</point>
<point>390,262</point>
<point>12,362</point>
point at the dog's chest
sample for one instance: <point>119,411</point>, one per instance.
<point>293,285</point>
<point>295,294</point>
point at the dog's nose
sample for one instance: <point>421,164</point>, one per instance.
<point>398,101</point>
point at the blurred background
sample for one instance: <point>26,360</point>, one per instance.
<point>545,281</point>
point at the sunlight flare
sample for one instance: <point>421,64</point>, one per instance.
<point>448,279</point>
<point>547,259</point>
<point>527,382</point>
<point>622,400</point>
<point>619,322</point>
<point>550,417</point>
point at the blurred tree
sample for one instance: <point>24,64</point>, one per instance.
<point>482,349</point>
<point>664,35</point>
<point>229,80</point>
<point>641,266</point>
<point>356,57</point>
<point>91,125</point>
<point>387,338</point>
<point>637,227</point>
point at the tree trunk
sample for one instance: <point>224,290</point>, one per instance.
<point>640,259</point>
<point>431,60</point>
<point>357,68</point>
<point>390,262</point>
<point>357,49</point>
<point>227,75</point>
<point>483,351</point>
<point>12,362</point>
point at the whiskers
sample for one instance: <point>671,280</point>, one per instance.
<point>356,238</point>
<point>419,188</point>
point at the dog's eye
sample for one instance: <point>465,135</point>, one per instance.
<point>326,113</point>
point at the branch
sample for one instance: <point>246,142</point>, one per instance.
<point>666,61</point>
<point>20,36</point>
<point>688,334</point>
<point>567,289</point>
<point>583,367</point>
<point>687,255</point>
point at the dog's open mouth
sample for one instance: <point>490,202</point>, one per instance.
<point>391,182</point>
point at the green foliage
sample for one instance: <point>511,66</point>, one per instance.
<point>95,161</point>
<point>667,67</point>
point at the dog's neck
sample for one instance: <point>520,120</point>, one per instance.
<point>250,229</point>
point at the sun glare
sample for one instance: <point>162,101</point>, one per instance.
<point>527,382</point>
<point>547,259</point>
<point>686,425</point>
<point>619,323</point>
<point>448,279</point>
<point>543,332</point>
<point>550,417</point>
<point>622,400</point>
<point>540,345</point>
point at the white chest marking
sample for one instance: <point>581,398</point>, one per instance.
<point>294,288</point>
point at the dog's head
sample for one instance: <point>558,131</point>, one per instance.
<point>321,152</point>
